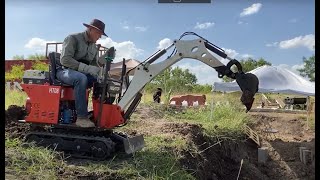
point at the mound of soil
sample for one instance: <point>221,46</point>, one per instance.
<point>218,158</point>
<point>13,128</point>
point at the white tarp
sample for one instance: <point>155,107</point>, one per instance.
<point>116,68</point>
<point>274,80</point>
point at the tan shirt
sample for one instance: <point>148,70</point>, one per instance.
<point>77,48</point>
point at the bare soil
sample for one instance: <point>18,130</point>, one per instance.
<point>215,158</point>
<point>13,128</point>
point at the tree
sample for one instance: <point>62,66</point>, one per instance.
<point>18,57</point>
<point>37,56</point>
<point>176,80</point>
<point>248,65</point>
<point>308,69</point>
<point>41,66</point>
<point>16,72</point>
<point>251,64</point>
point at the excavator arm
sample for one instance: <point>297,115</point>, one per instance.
<point>197,49</point>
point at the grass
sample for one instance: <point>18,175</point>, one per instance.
<point>157,161</point>
<point>310,120</point>
<point>220,119</point>
<point>32,162</point>
<point>223,116</point>
<point>14,97</point>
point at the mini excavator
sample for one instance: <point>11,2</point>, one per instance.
<point>50,103</point>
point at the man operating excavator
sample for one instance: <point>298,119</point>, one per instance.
<point>79,68</point>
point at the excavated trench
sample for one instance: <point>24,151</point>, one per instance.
<point>214,159</point>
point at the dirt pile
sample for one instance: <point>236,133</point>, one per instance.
<point>13,128</point>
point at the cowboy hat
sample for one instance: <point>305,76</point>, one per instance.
<point>97,24</point>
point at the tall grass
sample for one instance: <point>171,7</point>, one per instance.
<point>30,163</point>
<point>14,97</point>
<point>221,119</point>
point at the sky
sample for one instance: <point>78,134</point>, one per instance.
<point>280,31</point>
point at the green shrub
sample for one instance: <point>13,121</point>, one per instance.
<point>16,72</point>
<point>38,65</point>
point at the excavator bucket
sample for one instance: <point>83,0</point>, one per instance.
<point>133,144</point>
<point>249,84</point>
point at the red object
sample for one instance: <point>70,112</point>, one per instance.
<point>111,114</point>
<point>43,105</point>
<point>44,100</point>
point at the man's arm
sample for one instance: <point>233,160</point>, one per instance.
<point>67,53</point>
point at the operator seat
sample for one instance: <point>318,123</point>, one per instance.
<point>54,64</point>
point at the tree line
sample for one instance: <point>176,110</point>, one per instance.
<point>175,79</point>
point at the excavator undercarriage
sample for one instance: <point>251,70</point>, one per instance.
<point>85,143</point>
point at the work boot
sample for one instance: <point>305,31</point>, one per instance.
<point>84,122</point>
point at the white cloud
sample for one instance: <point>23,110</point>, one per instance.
<point>294,20</point>
<point>241,22</point>
<point>231,53</point>
<point>204,73</point>
<point>125,25</point>
<point>205,25</point>
<point>164,43</point>
<point>39,45</point>
<point>254,8</point>
<point>272,44</point>
<point>125,49</point>
<point>140,28</point>
<point>301,41</point>
<point>245,56</point>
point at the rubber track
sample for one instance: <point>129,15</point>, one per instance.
<point>109,145</point>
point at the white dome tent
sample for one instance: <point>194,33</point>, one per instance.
<point>274,80</point>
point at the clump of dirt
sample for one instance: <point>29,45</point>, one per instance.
<point>187,130</point>
<point>13,128</point>
<point>145,111</point>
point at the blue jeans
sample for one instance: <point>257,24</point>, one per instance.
<point>80,82</point>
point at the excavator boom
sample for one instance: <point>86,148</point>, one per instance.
<point>198,49</point>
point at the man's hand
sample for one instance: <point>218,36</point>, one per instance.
<point>88,69</point>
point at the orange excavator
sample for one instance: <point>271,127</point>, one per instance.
<point>50,103</point>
